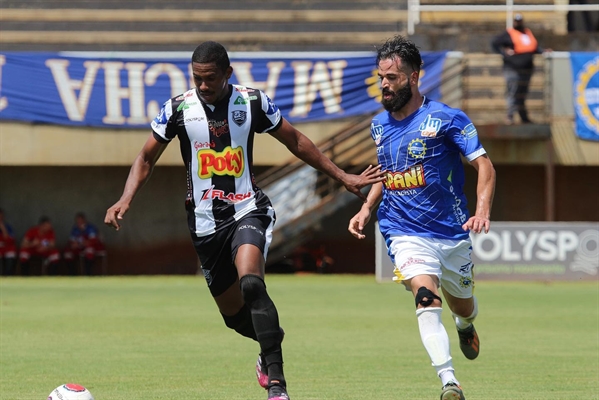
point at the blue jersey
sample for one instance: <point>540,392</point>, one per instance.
<point>423,191</point>
<point>80,235</point>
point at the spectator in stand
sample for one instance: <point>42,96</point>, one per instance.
<point>84,242</point>
<point>8,247</point>
<point>40,241</point>
<point>518,46</point>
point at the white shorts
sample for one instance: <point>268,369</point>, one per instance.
<point>448,260</point>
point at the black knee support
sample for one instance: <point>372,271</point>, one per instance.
<point>425,297</point>
<point>241,322</point>
<point>252,288</point>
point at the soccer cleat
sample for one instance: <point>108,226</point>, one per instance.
<point>277,392</point>
<point>261,371</point>
<point>452,391</point>
<point>469,343</point>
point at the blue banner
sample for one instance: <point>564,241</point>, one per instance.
<point>126,91</point>
<point>585,73</point>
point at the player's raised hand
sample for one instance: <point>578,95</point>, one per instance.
<point>357,223</point>
<point>116,213</point>
<point>477,224</point>
<point>371,175</point>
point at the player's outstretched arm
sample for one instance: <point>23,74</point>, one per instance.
<point>138,175</point>
<point>359,221</point>
<point>303,148</point>
<point>485,190</point>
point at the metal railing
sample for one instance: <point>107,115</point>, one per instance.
<point>415,8</point>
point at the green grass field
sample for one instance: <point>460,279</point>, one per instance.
<point>128,338</point>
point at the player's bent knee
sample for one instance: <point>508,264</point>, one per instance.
<point>425,297</point>
<point>252,288</point>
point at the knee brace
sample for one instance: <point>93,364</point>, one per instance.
<point>425,297</point>
<point>241,322</point>
<point>252,288</point>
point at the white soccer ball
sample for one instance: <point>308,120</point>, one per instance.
<point>70,391</point>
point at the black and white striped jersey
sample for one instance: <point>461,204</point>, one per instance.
<point>216,145</point>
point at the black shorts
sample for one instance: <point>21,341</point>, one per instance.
<point>217,251</point>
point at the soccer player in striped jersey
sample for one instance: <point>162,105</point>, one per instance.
<point>230,218</point>
<point>423,215</point>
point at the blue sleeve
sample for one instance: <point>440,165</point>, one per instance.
<point>462,133</point>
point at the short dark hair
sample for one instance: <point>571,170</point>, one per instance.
<point>43,219</point>
<point>80,214</point>
<point>211,52</point>
<point>402,48</point>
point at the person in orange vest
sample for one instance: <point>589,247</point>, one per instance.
<point>517,45</point>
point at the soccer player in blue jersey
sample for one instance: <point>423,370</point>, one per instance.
<point>423,215</point>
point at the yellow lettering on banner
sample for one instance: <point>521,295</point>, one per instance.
<point>75,107</point>
<point>3,100</point>
<point>326,79</point>
<point>177,82</point>
<point>115,93</point>
<point>243,72</point>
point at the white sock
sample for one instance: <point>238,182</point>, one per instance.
<point>436,342</point>
<point>463,323</point>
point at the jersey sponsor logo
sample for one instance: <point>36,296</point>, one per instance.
<point>469,131</point>
<point>457,209</point>
<point>203,145</point>
<point>410,179</point>
<point>199,119</point>
<point>272,107</point>
<point>160,118</point>
<point>218,128</point>
<point>240,100</point>
<point>239,117</point>
<point>377,132</point>
<point>430,126</point>
<point>185,105</point>
<point>211,194</point>
<point>417,148</point>
<point>228,162</point>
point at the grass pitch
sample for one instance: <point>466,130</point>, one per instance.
<point>128,338</point>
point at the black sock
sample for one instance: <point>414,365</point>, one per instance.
<point>266,325</point>
<point>241,322</point>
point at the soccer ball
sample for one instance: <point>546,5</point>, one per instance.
<point>70,391</point>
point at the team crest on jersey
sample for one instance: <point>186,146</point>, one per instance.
<point>430,126</point>
<point>466,282</point>
<point>417,148</point>
<point>239,117</point>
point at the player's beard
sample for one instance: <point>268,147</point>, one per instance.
<point>399,98</point>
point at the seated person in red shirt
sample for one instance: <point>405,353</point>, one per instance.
<point>83,242</point>
<point>40,241</point>
<point>8,247</point>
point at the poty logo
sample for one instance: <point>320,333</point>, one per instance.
<point>410,179</point>
<point>430,126</point>
<point>228,162</point>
